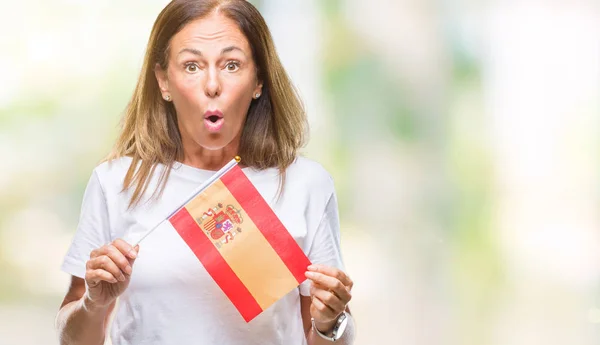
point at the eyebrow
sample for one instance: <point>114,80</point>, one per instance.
<point>190,50</point>
<point>199,53</point>
<point>231,48</point>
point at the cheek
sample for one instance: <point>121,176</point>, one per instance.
<point>239,98</point>
<point>189,96</point>
<point>185,98</point>
<point>187,87</point>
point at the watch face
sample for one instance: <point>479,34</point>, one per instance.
<point>340,330</point>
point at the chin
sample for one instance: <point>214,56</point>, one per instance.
<point>213,142</point>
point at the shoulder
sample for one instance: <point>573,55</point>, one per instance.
<point>113,168</point>
<point>308,177</point>
<point>110,174</point>
<point>311,173</point>
<point>304,180</point>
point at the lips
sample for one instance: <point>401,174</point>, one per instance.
<point>213,120</point>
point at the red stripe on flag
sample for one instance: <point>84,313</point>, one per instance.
<point>214,263</point>
<point>267,222</point>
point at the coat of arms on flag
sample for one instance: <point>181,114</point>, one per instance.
<point>240,241</point>
<point>221,223</point>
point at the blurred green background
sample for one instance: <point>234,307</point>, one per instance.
<point>462,136</point>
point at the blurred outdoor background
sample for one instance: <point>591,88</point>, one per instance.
<point>463,137</point>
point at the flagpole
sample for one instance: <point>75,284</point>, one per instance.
<point>202,187</point>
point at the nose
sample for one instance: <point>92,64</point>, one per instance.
<point>212,88</point>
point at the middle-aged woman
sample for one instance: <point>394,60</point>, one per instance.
<point>211,87</point>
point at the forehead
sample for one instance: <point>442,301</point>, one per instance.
<point>210,33</point>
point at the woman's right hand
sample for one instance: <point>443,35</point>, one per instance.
<point>108,272</point>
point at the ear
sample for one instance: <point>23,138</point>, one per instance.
<point>161,77</point>
<point>257,89</point>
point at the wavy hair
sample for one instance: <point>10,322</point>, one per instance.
<point>275,126</point>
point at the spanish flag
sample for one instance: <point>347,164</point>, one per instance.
<point>240,241</point>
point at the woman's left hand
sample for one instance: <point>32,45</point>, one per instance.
<point>330,294</point>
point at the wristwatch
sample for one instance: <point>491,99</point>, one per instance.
<point>338,328</point>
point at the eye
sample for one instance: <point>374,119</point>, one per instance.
<point>232,66</point>
<point>191,68</point>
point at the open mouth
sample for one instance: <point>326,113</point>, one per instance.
<point>213,120</point>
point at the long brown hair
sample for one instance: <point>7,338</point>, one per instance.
<point>275,126</point>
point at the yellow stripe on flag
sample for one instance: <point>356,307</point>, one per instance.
<point>248,254</point>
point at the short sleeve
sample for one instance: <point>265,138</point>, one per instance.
<point>324,245</point>
<point>92,230</point>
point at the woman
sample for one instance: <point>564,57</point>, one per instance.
<point>211,87</point>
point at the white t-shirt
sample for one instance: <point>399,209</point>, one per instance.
<point>171,298</point>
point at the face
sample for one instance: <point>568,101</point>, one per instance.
<point>211,80</point>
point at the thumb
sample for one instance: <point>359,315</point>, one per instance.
<point>132,255</point>
<point>133,252</point>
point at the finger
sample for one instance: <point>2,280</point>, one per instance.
<point>135,251</point>
<point>98,252</point>
<point>332,272</point>
<point>105,263</point>
<point>125,248</point>
<point>329,299</point>
<point>118,258</point>
<point>115,255</point>
<point>322,308</point>
<point>330,283</point>
<point>344,295</point>
<point>94,277</point>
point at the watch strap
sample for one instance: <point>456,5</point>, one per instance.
<point>335,334</point>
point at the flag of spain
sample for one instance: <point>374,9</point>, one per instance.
<point>241,243</point>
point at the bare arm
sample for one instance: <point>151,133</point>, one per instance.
<point>312,337</point>
<point>330,293</point>
<point>79,321</point>
<point>85,311</point>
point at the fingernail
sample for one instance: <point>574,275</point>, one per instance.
<point>132,254</point>
<point>122,278</point>
<point>128,269</point>
<point>310,274</point>
<point>114,281</point>
<point>312,267</point>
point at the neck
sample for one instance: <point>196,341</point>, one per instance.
<point>202,158</point>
